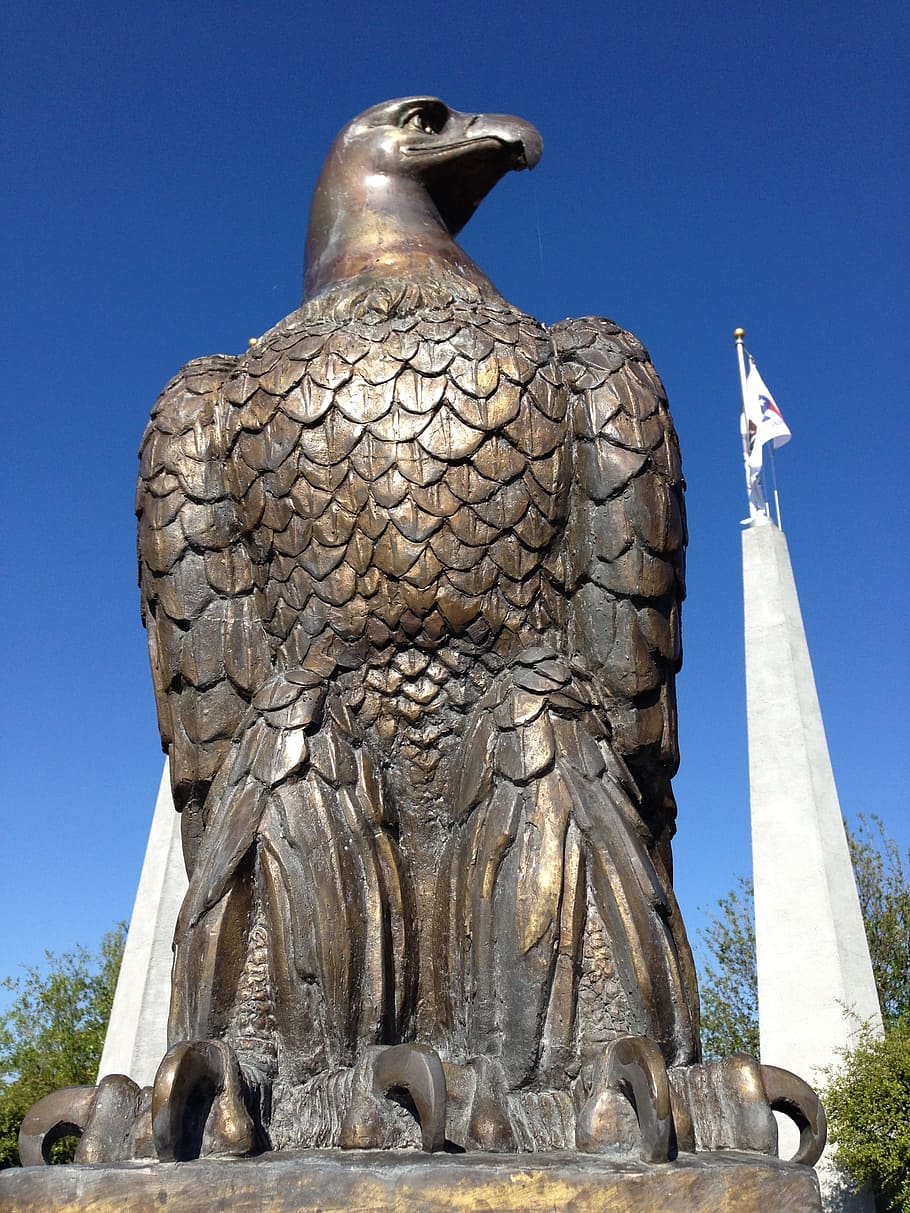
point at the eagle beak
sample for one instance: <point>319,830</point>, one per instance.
<point>520,137</point>
<point>461,164</point>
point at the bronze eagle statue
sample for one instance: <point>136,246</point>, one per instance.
<point>411,569</point>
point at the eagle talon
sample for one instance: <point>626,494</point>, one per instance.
<point>111,1120</point>
<point>197,1104</point>
<point>788,1093</point>
<point>413,1068</point>
<point>631,1074</point>
<point>63,1113</point>
<point>730,1104</point>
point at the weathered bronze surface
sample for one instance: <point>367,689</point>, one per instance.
<point>395,1182</point>
<point>411,570</point>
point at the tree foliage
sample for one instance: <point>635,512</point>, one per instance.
<point>52,1033</point>
<point>867,1096</point>
<point>868,1104</point>
<point>883,884</point>
<point>729,984</point>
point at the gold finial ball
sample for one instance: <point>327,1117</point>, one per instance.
<point>738,334</point>
<point>251,343</point>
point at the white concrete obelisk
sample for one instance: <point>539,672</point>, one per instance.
<point>815,981</point>
<point>136,1039</point>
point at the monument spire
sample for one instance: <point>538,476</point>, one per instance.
<point>815,983</point>
<point>137,1030</point>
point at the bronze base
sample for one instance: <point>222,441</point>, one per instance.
<point>397,1182</point>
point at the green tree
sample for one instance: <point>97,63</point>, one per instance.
<point>867,1099</point>
<point>52,1034</point>
<point>729,984</point>
<point>883,884</point>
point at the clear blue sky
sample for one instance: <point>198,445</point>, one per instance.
<point>706,166</point>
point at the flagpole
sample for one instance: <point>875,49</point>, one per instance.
<point>774,482</point>
<point>739,337</point>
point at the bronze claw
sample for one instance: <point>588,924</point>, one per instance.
<point>635,1066</point>
<point>413,1068</point>
<point>631,1072</point>
<point>419,1071</point>
<point>789,1094</point>
<point>117,1126</point>
<point>63,1113</point>
<point>197,1103</point>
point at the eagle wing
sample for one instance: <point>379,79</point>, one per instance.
<point>625,547</point>
<point>207,648</point>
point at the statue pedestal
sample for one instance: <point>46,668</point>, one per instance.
<point>395,1182</point>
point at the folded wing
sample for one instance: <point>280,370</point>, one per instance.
<point>625,549</point>
<point>208,650</point>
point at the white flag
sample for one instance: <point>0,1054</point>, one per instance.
<point>763,420</point>
<point>758,507</point>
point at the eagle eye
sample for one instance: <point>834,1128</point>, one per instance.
<point>424,121</point>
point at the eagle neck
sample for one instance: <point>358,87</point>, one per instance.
<point>384,226</point>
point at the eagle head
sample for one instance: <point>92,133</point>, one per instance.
<point>400,181</point>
